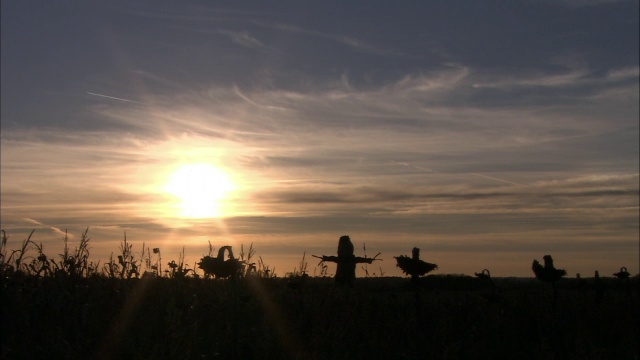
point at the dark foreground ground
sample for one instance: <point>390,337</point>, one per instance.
<point>445,317</point>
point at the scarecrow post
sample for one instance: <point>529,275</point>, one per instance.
<point>415,267</point>
<point>549,274</point>
<point>598,287</point>
<point>623,275</point>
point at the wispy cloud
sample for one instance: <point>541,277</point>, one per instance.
<point>349,41</point>
<point>567,79</point>
<point>112,97</point>
<point>243,38</point>
<point>628,73</point>
<point>583,3</point>
<point>52,228</point>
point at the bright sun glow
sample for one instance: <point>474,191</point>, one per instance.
<point>199,189</point>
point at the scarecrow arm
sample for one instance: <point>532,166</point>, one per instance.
<point>324,258</point>
<point>368,260</point>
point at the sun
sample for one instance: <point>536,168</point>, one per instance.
<point>199,190</point>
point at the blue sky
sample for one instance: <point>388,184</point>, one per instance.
<point>486,133</point>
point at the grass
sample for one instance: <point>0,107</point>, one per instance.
<point>78,314</point>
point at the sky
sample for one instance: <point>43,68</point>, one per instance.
<point>487,134</point>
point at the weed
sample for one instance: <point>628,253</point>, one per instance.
<point>178,270</point>
<point>250,266</point>
<point>74,263</point>
<point>41,265</point>
<point>324,270</point>
<point>127,266</point>
<point>20,267</point>
<point>158,265</point>
<point>263,270</point>
<point>365,268</point>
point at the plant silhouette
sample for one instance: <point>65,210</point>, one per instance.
<point>493,295</point>
<point>484,275</point>
<point>623,274</point>
<point>346,261</point>
<point>219,267</point>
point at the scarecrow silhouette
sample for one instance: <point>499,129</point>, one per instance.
<point>414,266</point>
<point>346,261</point>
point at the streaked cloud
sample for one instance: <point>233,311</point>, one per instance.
<point>243,39</point>
<point>349,41</point>
<point>110,97</point>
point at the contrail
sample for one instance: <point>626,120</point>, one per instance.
<point>433,171</point>
<point>112,97</point>
<point>237,91</point>
<point>53,228</point>
<point>413,166</point>
<point>492,178</point>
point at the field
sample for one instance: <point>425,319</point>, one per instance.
<point>444,317</point>
<point>70,308</point>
